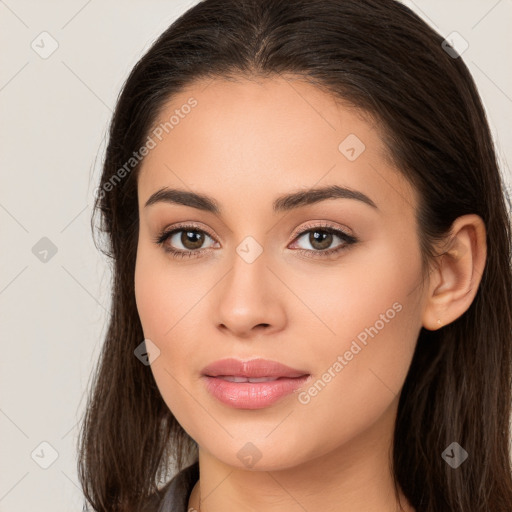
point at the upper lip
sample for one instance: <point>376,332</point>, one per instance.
<point>252,368</point>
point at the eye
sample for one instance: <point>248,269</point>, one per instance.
<point>189,237</point>
<point>321,238</point>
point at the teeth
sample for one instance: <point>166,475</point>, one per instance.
<point>231,378</point>
<point>235,379</point>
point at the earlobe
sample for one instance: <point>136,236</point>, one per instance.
<point>456,277</point>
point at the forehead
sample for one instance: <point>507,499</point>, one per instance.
<point>259,135</point>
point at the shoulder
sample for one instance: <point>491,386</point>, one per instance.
<point>174,496</point>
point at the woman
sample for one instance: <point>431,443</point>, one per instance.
<point>311,247</point>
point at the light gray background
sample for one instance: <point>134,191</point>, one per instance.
<point>55,113</point>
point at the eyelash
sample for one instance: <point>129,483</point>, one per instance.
<point>178,253</point>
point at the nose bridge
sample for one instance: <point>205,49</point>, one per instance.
<point>249,296</point>
<point>247,281</point>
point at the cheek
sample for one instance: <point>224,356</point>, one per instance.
<point>371,290</point>
<point>168,317</point>
<point>150,299</point>
<point>165,302</point>
<point>373,315</point>
<point>357,376</point>
<point>164,296</point>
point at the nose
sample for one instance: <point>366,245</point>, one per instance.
<point>250,300</point>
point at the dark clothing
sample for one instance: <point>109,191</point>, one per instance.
<point>174,496</point>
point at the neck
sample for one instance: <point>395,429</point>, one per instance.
<point>355,477</point>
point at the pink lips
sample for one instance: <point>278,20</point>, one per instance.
<point>251,384</point>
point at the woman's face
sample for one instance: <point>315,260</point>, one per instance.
<point>258,276</point>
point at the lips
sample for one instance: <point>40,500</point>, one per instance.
<point>253,384</point>
<point>253,369</point>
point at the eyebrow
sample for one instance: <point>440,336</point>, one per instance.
<point>283,203</point>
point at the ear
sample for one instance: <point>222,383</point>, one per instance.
<point>454,280</point>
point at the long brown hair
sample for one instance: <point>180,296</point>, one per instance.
<point>382,58</point>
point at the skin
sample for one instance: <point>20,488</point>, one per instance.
<point>244,144</point>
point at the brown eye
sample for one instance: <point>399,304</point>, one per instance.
<point>321,238</point>
<point>185,241</point>
<point>192,239</point>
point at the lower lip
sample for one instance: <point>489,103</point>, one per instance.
<point>252,395</point>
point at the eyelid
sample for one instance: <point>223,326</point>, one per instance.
<point>182,226</point>
<point>322,224</point>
